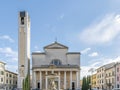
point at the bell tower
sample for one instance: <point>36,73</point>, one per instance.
<point>23,47</point>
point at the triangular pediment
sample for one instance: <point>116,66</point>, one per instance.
<point>55,45</point>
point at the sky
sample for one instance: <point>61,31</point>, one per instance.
<point>91,27</point>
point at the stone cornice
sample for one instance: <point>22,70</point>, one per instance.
<point>73,53</point>
<point>38,53</point>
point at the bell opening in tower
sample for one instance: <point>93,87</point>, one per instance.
<point>22,20</point>
<point>22,15</point>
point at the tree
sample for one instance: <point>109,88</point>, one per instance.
<point>26,83</point>
<point>89,83</point>
<point>86,83</point>
<point>23,84</point>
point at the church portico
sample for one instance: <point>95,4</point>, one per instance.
<point>56,68</point>
<point>64,78</point>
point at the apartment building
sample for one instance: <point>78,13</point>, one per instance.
<point>101,75</point>
<point>93,80</point>
<point>8,79</point>
<point>117,78</point>
<point>2,72</point>
<point>110,77</point>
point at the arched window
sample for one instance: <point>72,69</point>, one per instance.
<point>56,62</point>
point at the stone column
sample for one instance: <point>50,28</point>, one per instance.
<point>46,80</point>
<point>46,83</point>
<point>46,72</point>
<point>70,79</point>
<point>59,80</point>
<point>77,79</point>
<point>34,80</point>
<point>40,80</point>
<point>64,79</point>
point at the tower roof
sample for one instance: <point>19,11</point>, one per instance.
<point>55,45</point>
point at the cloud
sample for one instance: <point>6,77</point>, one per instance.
<point>94,54</point>
<point>62,16</point>
<point>10,57</point>
<point>97,64</point>
<point>85,69</point>
<point>38,51</point>
<point>110,60</point>
<point>36,47</point>
<point>103,31</point>
<point>6,37</point>
<point>9,54</point>
<point>13,68</point>
<point>85,51</point>
<point>114,4</point>
<point>8,50</point>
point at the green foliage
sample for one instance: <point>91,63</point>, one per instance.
<point>86,83</point>
<point>23,85</point>
<point>89,82</point>
<point>26,83</point>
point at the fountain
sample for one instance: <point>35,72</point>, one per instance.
<point>52,84</point>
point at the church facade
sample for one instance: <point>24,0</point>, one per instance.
<point>53,69</point>
<point>56,68</point>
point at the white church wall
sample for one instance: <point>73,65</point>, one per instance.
<point>38,60</point>
<point>60,54</point>
<point>73,59</point>
<point>51,54</point>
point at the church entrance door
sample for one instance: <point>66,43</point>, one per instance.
<point>73,85</point>
<point>38,85</point>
